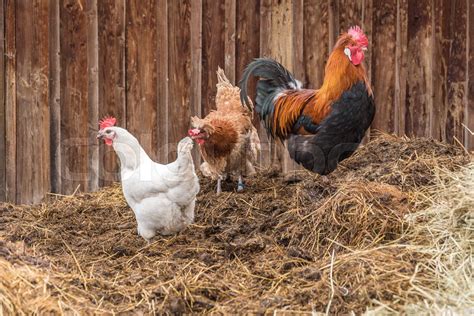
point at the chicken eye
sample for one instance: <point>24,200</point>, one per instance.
<point>108,131</point>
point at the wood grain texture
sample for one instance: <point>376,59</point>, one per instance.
<point>384,64</point>
<point>298,40</point>
<point>230,29</point>
<point>93,93</point>
<point>333,25</point>
<point>457,69</point>
<point>213,50</point>
<point>3,156</point>
<point>141,74</point>
<point>74,96</point>
<point>298,66</point>
<point>440,71</point>
<point>162,81</point>
<point>248,36</point>
<point>111,38</point>
<point>247,39</point>
<point>55,95</point>
<point>282,48</point>
<point>10,101</point>
<point>401,76</point>
<point>267,154</point>
<point>449,70</point>
<point>32,49</point>
<point>152,65</point>
<point>247,47</point>
<point>316,44</point>
<point>195,98</point>
<point>469,117</point>
<point>179,71</point>
<point>419,101</point>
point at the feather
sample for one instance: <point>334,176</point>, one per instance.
<point>230,143</point>
<point>317,123</point>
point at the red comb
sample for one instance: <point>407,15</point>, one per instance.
<point>358,35</point>
<point>107,122</point>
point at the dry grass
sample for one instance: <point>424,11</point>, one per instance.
<point>444,234</point>
<point>388,231</point>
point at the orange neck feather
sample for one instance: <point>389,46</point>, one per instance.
<point>340,75</point>
<point>222,139</point>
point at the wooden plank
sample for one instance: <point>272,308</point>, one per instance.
<point>265,27</point>
<point>247,48</point>
<point>141,73</point>
<point>3,156</point>
<point>469,117</point>
<point>74,96</point>
<point>316,44</point>
<point>401,69</point>
<point>213,50</point>
<point>441,51</point>
<point>111,37</point>
<point>93,93</point>
<point>449,70</point>
<point>334,25</point>
<point>162,81</point>
<point>457,69</point>
<point>357,13</point>
<point>298,67</point>
<point>267,155</point>
<point>419,86</point>
<point>179,69</point>
<point>54,96</point>
<point>10,100</point>
<point>248,37</point>
<point>298,39</point>
<point>384,64</point>
<point>195,98</point>
<point>282,48</point>
<point>32,48</point>
<point>230,33</point>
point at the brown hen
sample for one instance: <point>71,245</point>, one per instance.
<point>228,142</point>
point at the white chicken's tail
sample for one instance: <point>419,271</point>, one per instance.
<point>228,96</point>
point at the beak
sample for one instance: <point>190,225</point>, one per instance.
<point>100,135</point>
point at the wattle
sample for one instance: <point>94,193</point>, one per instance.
<point>357,56</point>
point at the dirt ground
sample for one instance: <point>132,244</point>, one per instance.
<point>300,242</point>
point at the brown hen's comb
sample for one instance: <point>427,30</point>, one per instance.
<point>107,122</point>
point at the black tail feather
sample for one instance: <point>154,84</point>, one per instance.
<point>274,79</point>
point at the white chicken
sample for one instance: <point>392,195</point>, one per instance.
<point>162,197</point>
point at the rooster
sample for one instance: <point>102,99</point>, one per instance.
<point>228,142</point>
<point>161,196</point>
<point>323,126</point>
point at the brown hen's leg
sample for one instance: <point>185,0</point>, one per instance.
<point>240,184</point>
<point>219,187</point>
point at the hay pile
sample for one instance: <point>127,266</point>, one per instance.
<point>370,236</point>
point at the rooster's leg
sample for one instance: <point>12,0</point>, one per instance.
<point>240,184</point>
<point>219,188</point>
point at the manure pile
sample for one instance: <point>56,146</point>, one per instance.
<point>379,233</point>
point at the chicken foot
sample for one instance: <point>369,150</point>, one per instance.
<point>240,184</point>
<point>219,185</point>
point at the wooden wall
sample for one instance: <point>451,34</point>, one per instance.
<point>152,64</point>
